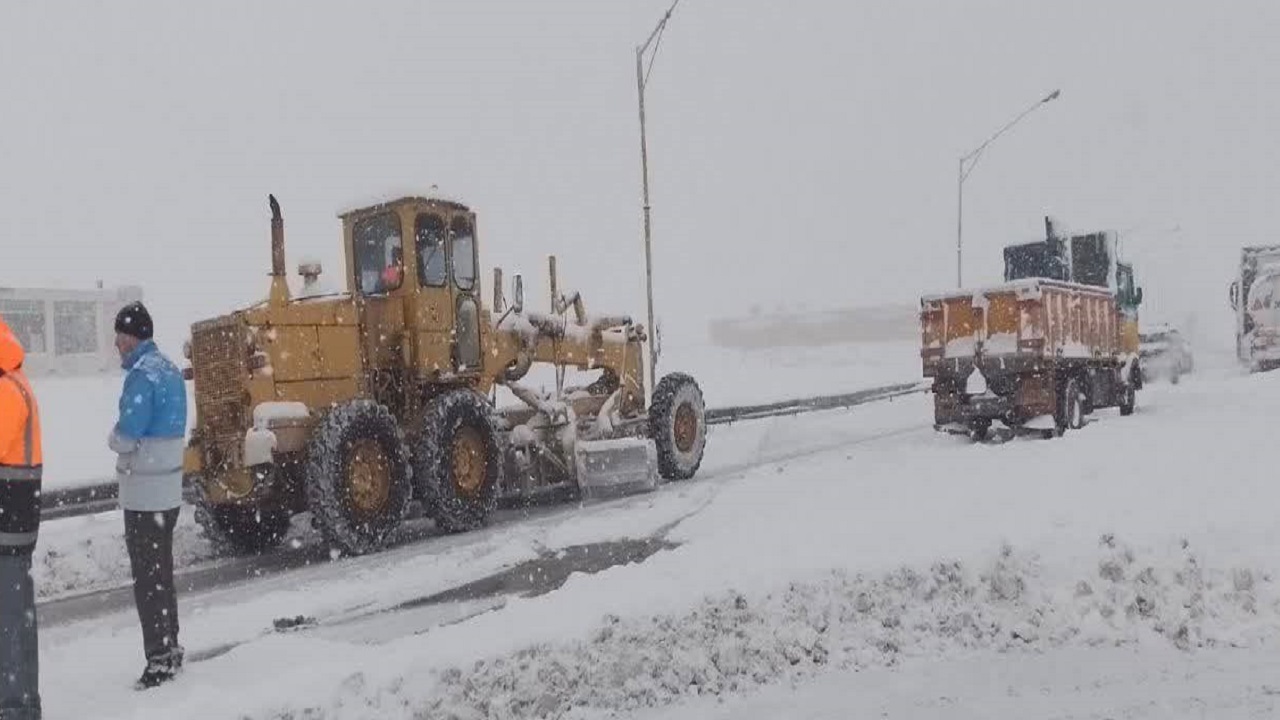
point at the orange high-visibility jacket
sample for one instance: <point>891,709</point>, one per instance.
<point>20,453</point>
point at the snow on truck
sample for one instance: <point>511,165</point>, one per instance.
<point>1056,341</point>
<point>349,405</point>
<point>1255,297</point>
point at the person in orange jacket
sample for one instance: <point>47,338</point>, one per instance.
<point>393,274</point>
<point>20,473</point>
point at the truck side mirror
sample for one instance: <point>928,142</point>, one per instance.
<point>517,294</point>
<point>1235,295</point>
<point>1137,297</point>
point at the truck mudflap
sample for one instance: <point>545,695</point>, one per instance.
<point>1131,370</point>
<point>966,410</point>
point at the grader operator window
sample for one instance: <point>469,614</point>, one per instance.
<point>379,254</point>
<point>430,243</point>
<point>464,253</point>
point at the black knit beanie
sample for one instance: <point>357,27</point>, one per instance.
<point>133,319</point>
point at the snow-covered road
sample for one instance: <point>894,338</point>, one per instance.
<point>859,540</point>
<point>84,555</point>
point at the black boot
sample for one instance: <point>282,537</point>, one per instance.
<point>160,669</point>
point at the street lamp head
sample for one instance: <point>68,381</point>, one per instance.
<point>1052,96</point>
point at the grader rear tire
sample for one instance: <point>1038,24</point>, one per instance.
<point>678,426</point>
<point>357,477</point>
<point>458,465</point>
<point>1128,400</point>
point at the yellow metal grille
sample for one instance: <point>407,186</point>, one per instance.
<point>219,360</point>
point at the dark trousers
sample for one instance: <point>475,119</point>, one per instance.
<point>19,657</point>
<point>149,537</point>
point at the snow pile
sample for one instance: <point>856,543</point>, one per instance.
<point>83,554</point>
<point>732,643</point>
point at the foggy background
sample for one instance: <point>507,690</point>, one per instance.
<point>803,154</point>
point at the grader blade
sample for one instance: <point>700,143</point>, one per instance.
<point>611,468</point>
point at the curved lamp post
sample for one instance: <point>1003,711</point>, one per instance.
<point>968,163</point>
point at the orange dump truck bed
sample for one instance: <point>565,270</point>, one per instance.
<point>1025,319</point>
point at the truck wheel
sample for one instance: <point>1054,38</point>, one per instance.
<point>1070,415</point>
<point>678,426</point>
<point>1128,399</point>
<point>979,430</point>
<point>459,466</point>
<point>357,476</point>
<point>235,530</point>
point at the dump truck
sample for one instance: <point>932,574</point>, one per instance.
<point>1255,298</point>
<point>1057,340</point>
<point>354,404</point>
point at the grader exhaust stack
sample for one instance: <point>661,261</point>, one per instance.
<point>279,285</point>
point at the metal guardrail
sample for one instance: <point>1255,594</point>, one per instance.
<point>85,500</point>
<point>73,502</point>
<point>727,415</point>
<point>57,504</point>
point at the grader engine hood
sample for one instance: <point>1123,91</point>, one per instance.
<point>258,373</point>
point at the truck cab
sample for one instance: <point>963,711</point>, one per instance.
<point>1253,298</point>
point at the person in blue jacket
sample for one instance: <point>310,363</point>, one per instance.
<point>148,439</point>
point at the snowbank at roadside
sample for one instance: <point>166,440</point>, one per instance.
<point>83,554</point>
<point>732,643</point>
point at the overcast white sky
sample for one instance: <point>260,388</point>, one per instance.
<point>803,153</point>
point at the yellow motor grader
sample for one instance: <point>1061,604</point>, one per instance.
<point>351,405</point>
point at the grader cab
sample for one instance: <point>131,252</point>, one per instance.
<point>352,405</point>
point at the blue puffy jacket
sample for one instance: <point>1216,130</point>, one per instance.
<point>149,436</point>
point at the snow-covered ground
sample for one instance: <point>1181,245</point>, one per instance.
<point>731,376</point>
<point>82,554</point>
<point>1128,568</point>
<point>76,414</point>
<point>1146,681</point>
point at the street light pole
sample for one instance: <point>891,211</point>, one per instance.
<point>642,80</point>
<point>972,160</point>
<point>960,227</point>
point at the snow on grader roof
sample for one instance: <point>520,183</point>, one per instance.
<point>379,202</point>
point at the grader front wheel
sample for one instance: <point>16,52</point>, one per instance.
<point>357,477</point>
<point>678,426</point>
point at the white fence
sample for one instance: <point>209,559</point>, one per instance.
<point>66,332</point>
